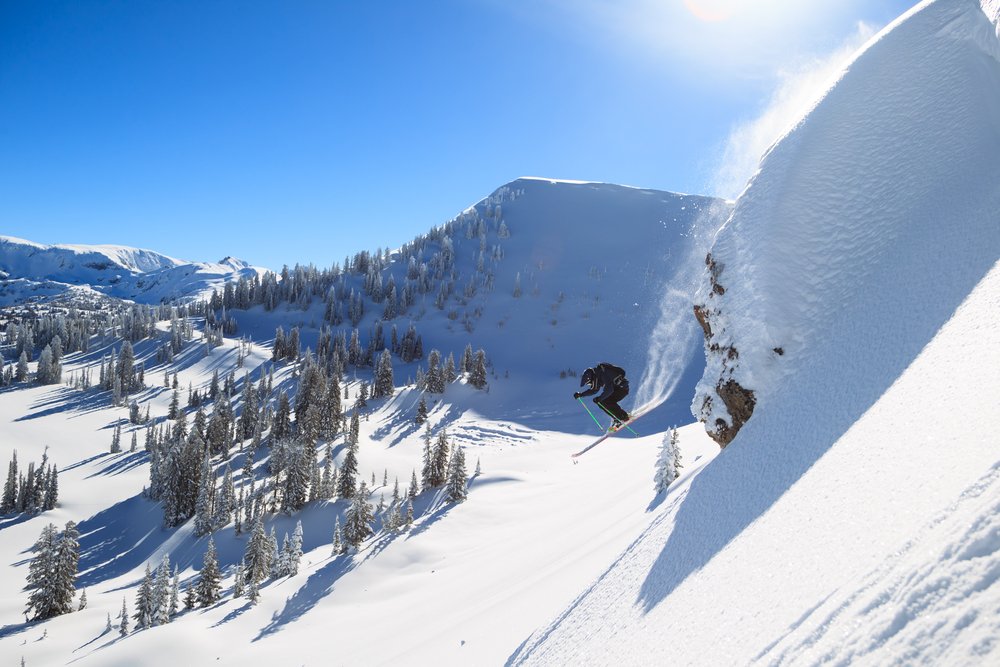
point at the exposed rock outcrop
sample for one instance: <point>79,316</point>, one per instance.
<point>722,422</point>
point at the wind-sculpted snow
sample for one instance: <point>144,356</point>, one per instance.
<point>859,282</point>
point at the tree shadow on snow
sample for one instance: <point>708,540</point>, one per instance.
<point>319,584</point>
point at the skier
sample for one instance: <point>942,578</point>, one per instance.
<point>612,379</point>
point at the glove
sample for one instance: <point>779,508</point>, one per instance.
<point>576,394</point>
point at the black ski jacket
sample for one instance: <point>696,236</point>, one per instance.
<point>609,377</point>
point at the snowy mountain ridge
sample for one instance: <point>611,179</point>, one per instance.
<point>144,276</point>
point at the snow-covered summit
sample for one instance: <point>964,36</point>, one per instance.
<point>113,270</point>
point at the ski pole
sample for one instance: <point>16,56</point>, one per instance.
<point>580,401</point>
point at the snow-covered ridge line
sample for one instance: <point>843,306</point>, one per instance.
<point>115,270</point>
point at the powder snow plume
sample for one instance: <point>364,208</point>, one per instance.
<point>673,339</point>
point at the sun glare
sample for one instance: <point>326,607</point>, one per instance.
<point>710,10</point>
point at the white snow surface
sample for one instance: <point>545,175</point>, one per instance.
<point>854,519</point>
<point>120,271</point>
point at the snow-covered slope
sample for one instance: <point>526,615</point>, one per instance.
<point>593,260</point>
<point>30,269</point>
<point>853,304</point>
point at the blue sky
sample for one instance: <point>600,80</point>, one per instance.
<point>284,132</point>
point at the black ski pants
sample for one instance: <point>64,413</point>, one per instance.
<point>609,401</point>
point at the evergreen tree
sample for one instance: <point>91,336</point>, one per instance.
<point>414,489</point>
<point>44,599</point>
<point>427,471</point>
<point>383,376</point>
<point>439,461</point>
<point>175,591</point>
<point>338,543</point>
<point>190,596</point>
<point>209,584</point>
<point>457,483</point>
<point>435,374</point>
<point>116,440</point>
<point>358,518</point>
<point>347,477</point>
<point>123,628</point>
<point>21,374</point>
<point>477,378</point>
<point>8,502</point>
<point>175,404</point>
<point>668,463</point>
<point>83,601</point>
<point>205,504</point>
<point>257,559</point>
<point>421,417</point>
<point>294,556</point>
<point>43,374</point>
<point>161,593</point>
<point>144,602</point>
<point>239,581</point>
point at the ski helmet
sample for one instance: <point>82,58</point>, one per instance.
<point>589,376</point>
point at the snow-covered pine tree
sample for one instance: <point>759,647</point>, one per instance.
<point>190,596</point>
<point>427,470</point>
<point>439,460</point>
<point>21,374</point>
<point>338,543</point>
<point>347,477</point>
<point>477,378</point>
<point>123,627</point>
<point>414,489</point>
<point>668,463</point>
<point>294,556</point>
<point>8,502</point>
<point>161,593</point>
<point>457,479</point>
<point>43,598</point>
<point>358,518</point>
<point>205,504</point>
<point>435,374</point>
<point>144,602</point>
<point>175,404</point>
<point>421,416</point>
<point>384,384</point>
<point>116,440</point>
<point>239,581</point>
<point>209,584</point>
<point>257,558</point>
<point>175,592</point>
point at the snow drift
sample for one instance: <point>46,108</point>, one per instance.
<point>851,299</point>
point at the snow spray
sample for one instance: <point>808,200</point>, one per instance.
<point>673,339</point>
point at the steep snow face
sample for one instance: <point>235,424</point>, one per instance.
<point>867,224</point>
<point>34,270</point>
<point>854,517</point>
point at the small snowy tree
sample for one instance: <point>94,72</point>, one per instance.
<point>144,602</point>
<point>668,463</point>
<point>123,628</point>
<point>358,518</point>
<point>209,584</point>
<point>457,489</point>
